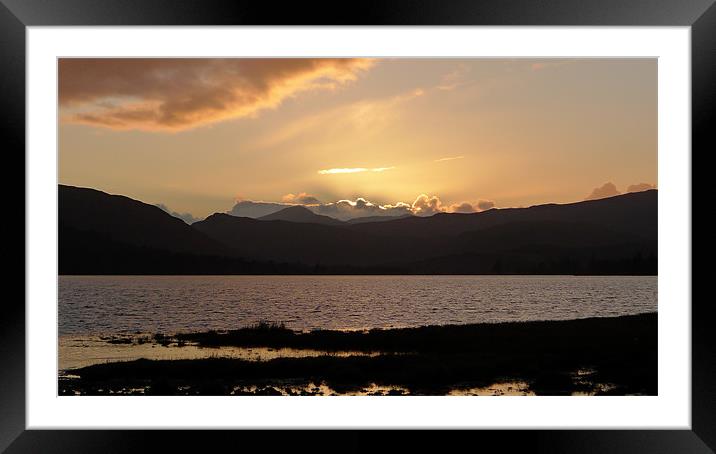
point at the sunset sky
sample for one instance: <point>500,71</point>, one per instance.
<point>404,135</point>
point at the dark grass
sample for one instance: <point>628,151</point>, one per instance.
<point>626,332</point>
<point>620,352</point>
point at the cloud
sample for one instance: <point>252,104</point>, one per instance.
<point>169,94</point>
<point>186,217</point>
<point>423,205</point>
<point>606,190</point>
<point>483,205</point>
<point>350,209</point>
<point>467,207</point>
<point>640,187</point>
<point>427,206</point>
<point>347,209</point>
<point>301,199</point>
<point>463,207</point>
<point>342,209</point>
<point>450,158</point>
<point>353,170</point>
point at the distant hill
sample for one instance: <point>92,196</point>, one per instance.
<point>367,219</point>
<point>130,221</point>
<point>307,243</point>
<point>541,247</point>
<point>634,213</point>
<point>102,233</point>
<point>251,209</point>
<point>298,213</point>
<point>83,252</point>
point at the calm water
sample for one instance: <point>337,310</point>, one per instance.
<point>168,304</point>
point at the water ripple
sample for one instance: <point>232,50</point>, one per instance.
<point>117,304</point>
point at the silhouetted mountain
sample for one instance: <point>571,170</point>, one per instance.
<point>88,252</point>
<point>302,242</point>
<point>130,221</point>
<point>367,219</point>
<point>298,213</point>
<point>541,247</point>
<point>101,233</point>
<point>520,246</point>
<point>634,213</point>
<point>251,209</point>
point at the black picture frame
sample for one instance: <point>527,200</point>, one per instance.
<point>16,15</point>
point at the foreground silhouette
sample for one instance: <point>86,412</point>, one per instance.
<point>614,356</point>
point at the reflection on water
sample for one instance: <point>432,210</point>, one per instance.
<point>81,351</point>
<point>519,388</point>
<point>319,389</point>
<point>101,318</point>
<point>288,388</point>
<point>169,304</point>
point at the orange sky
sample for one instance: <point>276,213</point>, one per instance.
<point>197,134</point>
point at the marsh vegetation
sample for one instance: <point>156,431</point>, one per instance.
<point>616,355</point>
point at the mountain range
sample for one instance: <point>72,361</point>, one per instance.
<point>299,213</point>
<point>101,233</point>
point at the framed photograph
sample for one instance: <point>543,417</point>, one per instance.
<point>460,216</point>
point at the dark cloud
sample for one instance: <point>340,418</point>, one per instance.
<point>186,217</point>
<point>604,191</point>
<point>181,93</point>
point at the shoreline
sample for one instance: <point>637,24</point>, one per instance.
<point>598,355</point>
